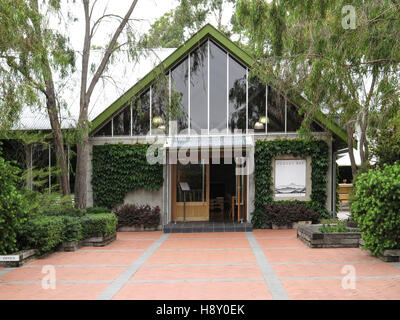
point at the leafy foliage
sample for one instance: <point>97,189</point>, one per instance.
<point>339,226</point>
<point>118,169</point>
<point>376,207</point>
<point>265,151</point>
<point>73,230</point>
<point>14,207</point>
<point>284,213</point>
<point>138,215</point>
<point>41,233</point>
<point>304,49</point>
<point>387,149</point>
<point>95,224</point>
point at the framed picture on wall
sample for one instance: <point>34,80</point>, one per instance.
<point>290,178</point>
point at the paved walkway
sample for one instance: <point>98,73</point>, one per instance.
<point>264,264</point>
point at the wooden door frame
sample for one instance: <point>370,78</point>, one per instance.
<point>173,193</point>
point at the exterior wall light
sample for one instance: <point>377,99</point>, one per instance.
<point>157,121</point>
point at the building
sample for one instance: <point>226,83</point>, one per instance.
<point>200,120</point>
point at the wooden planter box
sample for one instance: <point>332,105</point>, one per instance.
<point>387,255</point>
<point>98,241</point>
<point>17,259</point>
<point>310,235</point>
<point>294,225</point>
<point>138,228</point>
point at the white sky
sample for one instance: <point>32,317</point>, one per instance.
<point>123,72</point>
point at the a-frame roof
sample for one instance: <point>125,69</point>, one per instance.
<point>208,31</point>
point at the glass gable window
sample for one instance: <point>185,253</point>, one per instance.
<point>180,80</point>
<point>276,111</point>
<point>257,120</point>
<point>122,122</point>
<point>198,89</point>
<point>237,96</point>
<point>208,90</point>
<point>141,115</point>
<point>294,119</point>
<point>160,96</point>
<point>218,92</point>
<point>105,131</point>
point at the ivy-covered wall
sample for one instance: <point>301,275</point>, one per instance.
<point>265,151</point>
<point>120,168</point>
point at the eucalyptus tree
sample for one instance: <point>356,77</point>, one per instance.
<point>339,59</point>
<point>88,85</point>
<point>30,54</point>
<point>173,28</point>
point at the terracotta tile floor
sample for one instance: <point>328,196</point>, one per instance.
<point>204,266</point>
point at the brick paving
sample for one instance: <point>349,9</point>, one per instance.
<point>260,265</point>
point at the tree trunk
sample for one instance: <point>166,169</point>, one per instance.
<point>58,138</point>
<point>350,146</point>
<point>85,95</point>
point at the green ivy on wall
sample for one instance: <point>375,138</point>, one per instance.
<point>118,169</point>
<point>265,151</point>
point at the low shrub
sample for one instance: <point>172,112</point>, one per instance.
<point>138,215</point>
<point>95,224</point>
<point>72,228</point>
<point>94,210</point>
<point>282,213</point>
<point>376,208</point>
<point>41,233</point>
<point>55,204</point>
<point>340,226</point>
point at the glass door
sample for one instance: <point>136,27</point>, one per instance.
<point>192,204</point>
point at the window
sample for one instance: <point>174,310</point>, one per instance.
<point>198,89</point>
<point>122,122</point>
<point>180,79</point>
<point>141,115</point>
<point>195,176</point>
<point>218,84</point>
<point>294,119</point>
<point>160,96</point>
<point>257,120</point>
<point>106,131</point>
<point>237,96</point>
<point>276,111</point>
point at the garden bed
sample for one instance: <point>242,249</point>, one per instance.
<point>138,228</point>
<point>310,235</point>
<point>99,241</point>
<point>17,259</point>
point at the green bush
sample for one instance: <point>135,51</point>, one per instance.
<point>41,233</point>
<point>376,208</point>
<point>95,224</point>
<point>14,207</point>
<point>54,204</point>
<point>72,228</point>
<point>95,210</point>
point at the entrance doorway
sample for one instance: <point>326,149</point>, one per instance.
<point>227,194</point>
<point>216,193</point>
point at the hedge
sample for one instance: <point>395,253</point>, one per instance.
<point>376,208</point>
<point>95,224</point>
<point>42,233</point>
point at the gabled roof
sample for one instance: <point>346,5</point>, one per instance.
<point>208,31</point>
